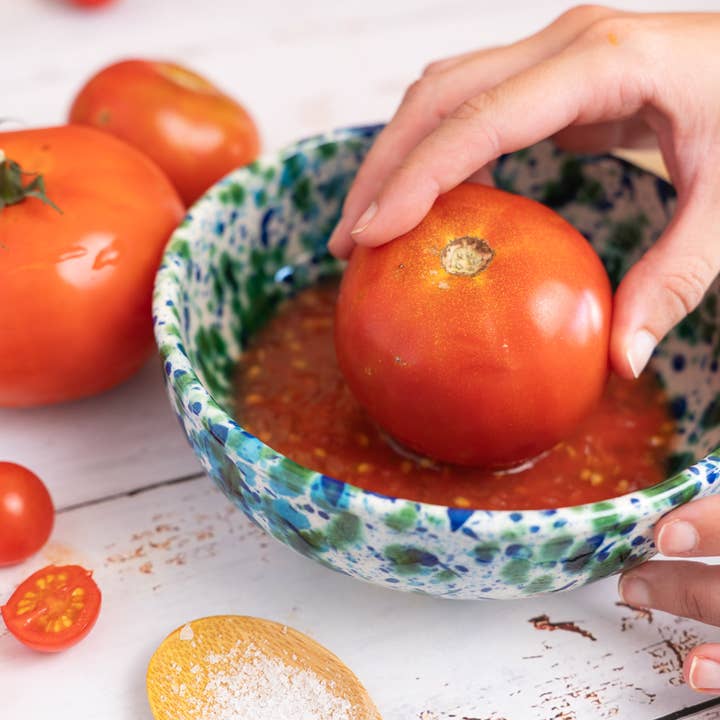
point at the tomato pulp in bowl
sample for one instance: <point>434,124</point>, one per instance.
<point>259,236</point>
<point>292,395</point>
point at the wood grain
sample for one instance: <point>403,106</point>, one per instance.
<point>164,554</point>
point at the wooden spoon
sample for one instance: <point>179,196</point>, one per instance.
<point>202,668</point>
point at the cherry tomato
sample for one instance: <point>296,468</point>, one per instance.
<point>26,513</point>
<point>54,608</point>
<point>91,3</point>
<point>77,283</point>
<point>481,336</point>
<point>194,132</point>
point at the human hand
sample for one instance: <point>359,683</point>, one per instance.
<point>690,589</point>
<point>594,79</point>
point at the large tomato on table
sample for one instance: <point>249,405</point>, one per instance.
<point>192,130</point>
<point>481,336</point>
<point>76,281</point>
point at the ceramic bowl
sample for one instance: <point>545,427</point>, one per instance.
<point>260,234</point>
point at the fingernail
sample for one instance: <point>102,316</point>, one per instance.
<point>365,219</point>
<point>677,537</point>
<point>641,348</point>
<point>634,591</point>
<point>704,674</point>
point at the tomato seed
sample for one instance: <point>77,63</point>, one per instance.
<point>254,371</point>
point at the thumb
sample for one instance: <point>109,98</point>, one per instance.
<point>666,284</point>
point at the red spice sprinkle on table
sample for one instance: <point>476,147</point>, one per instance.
<point>542,622</point>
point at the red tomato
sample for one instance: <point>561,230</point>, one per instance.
<point>194,132</point>
<point>481,336</point>
<point>54,608</point>
<point>91,3</point>
<point>77,284</point>
<point>26,513</point>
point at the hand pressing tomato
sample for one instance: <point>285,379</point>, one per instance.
<point>77,274</point>
<point>194,132</point>
<point>481,336</point>
<point>26,513</point>
<point>54,608</point>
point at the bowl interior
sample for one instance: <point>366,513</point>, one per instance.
<point>260,235</point>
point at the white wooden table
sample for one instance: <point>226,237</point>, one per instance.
<point>165,546</point>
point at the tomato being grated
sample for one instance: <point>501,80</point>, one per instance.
<point>54,608</point>
<point>291,394</point>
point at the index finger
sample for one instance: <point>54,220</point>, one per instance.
<point>579,85</point>
<point>444,86</point>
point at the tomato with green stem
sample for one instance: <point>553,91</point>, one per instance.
<point>84,219</point>
<point>54,608</point>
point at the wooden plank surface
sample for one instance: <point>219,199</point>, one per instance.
<point>178,550</point>
<point>172,554</point>
<point>120,441</point>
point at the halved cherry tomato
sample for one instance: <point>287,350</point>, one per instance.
<point>54,608</point>
<point>26,513</point>
<point>193,131</point>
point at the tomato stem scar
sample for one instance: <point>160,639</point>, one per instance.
<point>466,256</point>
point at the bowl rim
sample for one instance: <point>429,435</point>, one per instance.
<point>169,338</point>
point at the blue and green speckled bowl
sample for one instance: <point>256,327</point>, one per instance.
<point>260,234</point>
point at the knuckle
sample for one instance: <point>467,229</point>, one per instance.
<point>410,174</point>
<point>625,32</point>
<point>686,286</point>
<point>412,92</point>
<point>695,593</point>
<point>693,602</point>
<point>475,107</point>
<point>420,91</point>
<point>426,96</point>
<point>434,67</point>
<point>477,111</point>
<point>429,95</point>
<point>585,14</point>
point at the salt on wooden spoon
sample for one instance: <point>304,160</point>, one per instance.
<point>232,667</point>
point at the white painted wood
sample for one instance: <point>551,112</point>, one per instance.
<point>300,67</point>
<point>174,554</point>
<point>126,439</point>
<point>171,554</point>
